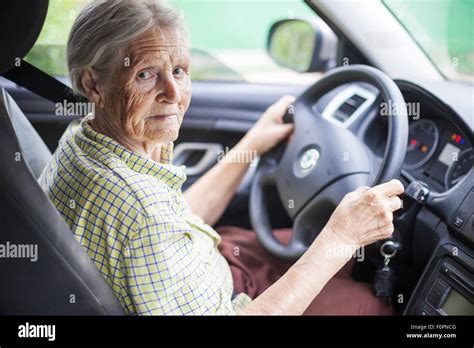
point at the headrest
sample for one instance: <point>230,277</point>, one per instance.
<point>20,24</point>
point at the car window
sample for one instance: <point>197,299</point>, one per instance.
<point>228,38</point>
<point>444,29</point>
<point>49,51</point>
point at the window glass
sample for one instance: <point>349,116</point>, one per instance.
<point>228,38</point>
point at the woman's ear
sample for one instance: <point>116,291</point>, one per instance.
<point>89,84</point>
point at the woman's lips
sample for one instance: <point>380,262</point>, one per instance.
<point>162,117</point>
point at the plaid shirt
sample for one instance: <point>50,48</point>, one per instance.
<point>129,214</point>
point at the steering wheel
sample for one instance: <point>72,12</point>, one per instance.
<point>323,161</point>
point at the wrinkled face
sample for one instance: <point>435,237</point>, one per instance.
<point>148,94</point>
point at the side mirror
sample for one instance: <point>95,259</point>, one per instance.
<point>304,45</point>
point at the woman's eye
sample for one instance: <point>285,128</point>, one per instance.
<point>144,75</point>
<point>178,71</point>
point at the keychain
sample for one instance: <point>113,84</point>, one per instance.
<point>384,282</point>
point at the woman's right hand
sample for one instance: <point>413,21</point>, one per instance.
<point>366,214</point>
<point>363,217</point>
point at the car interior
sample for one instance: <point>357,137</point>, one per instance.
<point>427,144</point>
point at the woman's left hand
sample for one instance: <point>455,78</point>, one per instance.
<point>270,129</point>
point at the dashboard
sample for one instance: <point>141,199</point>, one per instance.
<point>439,152</point>
<point>436,265</point>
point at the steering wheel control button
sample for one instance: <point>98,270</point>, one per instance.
<point>308,160</point>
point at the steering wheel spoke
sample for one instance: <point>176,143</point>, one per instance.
<point>319,154</point>
<point>314,216</point>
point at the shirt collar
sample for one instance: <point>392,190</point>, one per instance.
<point>172,175</point>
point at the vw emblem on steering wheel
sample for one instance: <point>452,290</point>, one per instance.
<point>309,159</point>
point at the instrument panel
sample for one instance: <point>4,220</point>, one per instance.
<point>439,152</point>
<point>423,139</point>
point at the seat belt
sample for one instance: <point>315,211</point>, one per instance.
<point>37,81</point>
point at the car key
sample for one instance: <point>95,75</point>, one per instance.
<point>384,283</point>
<point>384,280</point>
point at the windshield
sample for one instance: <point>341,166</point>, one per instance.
<point>444,31</point>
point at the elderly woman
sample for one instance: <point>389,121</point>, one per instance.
<point>113,181</point>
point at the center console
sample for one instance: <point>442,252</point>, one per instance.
<point>447,284</point>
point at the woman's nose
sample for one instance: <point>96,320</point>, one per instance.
<point>169,91</point>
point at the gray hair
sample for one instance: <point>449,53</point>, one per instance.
<point>105,27</point>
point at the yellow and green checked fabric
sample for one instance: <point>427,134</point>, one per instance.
<point>129,214</point>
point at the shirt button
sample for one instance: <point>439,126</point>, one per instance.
<point>127,251</point>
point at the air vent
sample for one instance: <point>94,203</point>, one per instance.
<point>348,108</point>
<point>348,104</point>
